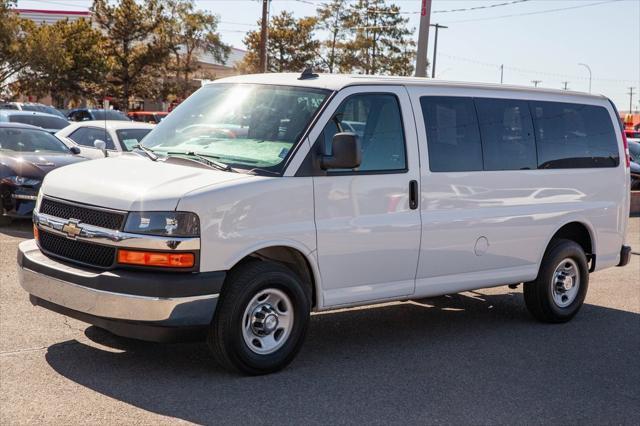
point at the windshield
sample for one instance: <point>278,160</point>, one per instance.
<point>131,137</point>
<point>29,140</point>
<point>101,114</point>
<point>243,125</point>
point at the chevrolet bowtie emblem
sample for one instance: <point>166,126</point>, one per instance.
<point>72,229</point>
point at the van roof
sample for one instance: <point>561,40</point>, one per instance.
<point>339,81</point>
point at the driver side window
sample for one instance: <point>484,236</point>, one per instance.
<point>377,121</point>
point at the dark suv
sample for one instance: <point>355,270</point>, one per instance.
<point>87,114</point>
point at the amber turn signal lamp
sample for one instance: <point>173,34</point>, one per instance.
<point>35,232</point>
<point>152,258</point>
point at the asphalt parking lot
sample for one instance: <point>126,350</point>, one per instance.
<point>473,358</point>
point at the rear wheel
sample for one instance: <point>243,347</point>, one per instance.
<point>261,318</point>
<point>561,286</point>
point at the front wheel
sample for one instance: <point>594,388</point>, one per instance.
<point>561,286</point>
<point>261,318</point>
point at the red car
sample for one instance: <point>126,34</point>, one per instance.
<point>153,117</point>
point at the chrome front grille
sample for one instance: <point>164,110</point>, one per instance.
<point>90,216</point>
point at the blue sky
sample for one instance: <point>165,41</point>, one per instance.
<point>535,40</point>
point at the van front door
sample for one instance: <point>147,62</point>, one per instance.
<point>368,227</point>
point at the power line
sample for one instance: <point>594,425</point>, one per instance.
<point>539,12</point>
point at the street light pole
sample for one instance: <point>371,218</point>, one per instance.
<point>435,48</point>
<point>588,69</point>
<point>423,39</point>
<point>501,73</point>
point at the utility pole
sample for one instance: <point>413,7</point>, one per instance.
<point>536,82</point>
<point>588,69</point>
<point>264,35</point>
<point>501,73</point>
<point>435,48</point>
<point>565,85</point>
<point>423,39</point>
<point>630,100</point>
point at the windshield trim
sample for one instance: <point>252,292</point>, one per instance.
<point>280,168</point>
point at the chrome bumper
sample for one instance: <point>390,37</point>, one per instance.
<point>178,311</point>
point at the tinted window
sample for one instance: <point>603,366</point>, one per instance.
<point>29,140</point>
<point>634,151</point>
<point>130,137</point>
<point>45,122</point>
<point>507,134</point>
<point>101,114</point>
<point>42,108</point>
<point>86,136</point>
<point>574,135</point>
<point>377,121</point>
<point>453,138</point>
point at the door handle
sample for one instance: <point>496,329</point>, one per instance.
<point>413,194</point>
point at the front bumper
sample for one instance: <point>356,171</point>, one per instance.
<point>17,201</point>
<point>156,306</point>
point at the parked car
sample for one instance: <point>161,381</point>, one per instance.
<point>119,136</point>
<point>88,114</point>
<point>50,122</point>
<point>251,206</point>
<point>153,117</point>
<point>634,153</point>
<point>31,106</point>
<point>632,135</point>
<point>27,154</point>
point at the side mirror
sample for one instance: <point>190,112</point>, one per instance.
<point>102,146</point>
<point>346,152</point>
<point>74,150</point>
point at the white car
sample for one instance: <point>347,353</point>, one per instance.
<point>264,197</point>
<point>118,136</point>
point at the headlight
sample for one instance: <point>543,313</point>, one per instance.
<point>176,224</point>
<point>38,202</point>
<point>20,181</point>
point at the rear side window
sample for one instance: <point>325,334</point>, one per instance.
<point>574,136</point>
<point>453,135</point>
<point>507,134</point>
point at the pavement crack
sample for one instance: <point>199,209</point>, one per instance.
<point>36,349</point>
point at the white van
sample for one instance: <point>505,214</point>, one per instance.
<point>265,197</point>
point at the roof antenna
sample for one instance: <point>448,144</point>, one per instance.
<point>308,74</point>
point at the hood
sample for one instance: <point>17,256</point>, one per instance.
<point>132,182</point>
<point>36,165</point>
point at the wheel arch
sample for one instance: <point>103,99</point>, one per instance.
<point>295,257</point>
<point>579,231</point>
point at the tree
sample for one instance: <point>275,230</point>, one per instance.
<point>191,33</point>
<point>64,59</point>
<point>13,32</point>
<point>291,45</point>
<point>381,43</point>
<point>332,18</point>
<point>136,45</point>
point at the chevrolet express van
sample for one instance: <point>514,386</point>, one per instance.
<point>262,198</point>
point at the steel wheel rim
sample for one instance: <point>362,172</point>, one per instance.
<point>565,283</point>
<point>267,321</point>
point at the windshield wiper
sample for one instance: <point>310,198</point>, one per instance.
<point>203,159</point>
<point>147,151</point>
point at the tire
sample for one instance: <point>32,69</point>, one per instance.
<point>547,299</point>
<point>242,336</point>
<point>5,220</point>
